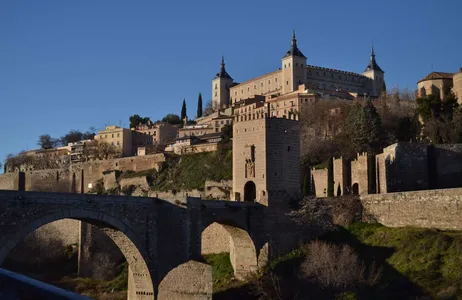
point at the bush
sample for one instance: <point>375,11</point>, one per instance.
<point>336,267</point>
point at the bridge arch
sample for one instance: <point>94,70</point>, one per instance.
<point>236,241</point>
<point>141,275</point>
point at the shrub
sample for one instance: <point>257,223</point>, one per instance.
<point>336,267</point>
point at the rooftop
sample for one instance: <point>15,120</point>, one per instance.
<point>437,75</point>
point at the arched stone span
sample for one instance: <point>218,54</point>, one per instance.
<point>240,246</point>
<point>140,285</point>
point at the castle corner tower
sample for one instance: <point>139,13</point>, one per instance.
<point>376,74</point>
<point>293,68</point>
<point>220,87</point>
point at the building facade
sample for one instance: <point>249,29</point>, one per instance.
<point>295,71</point>
<point>119,137</point>
<point>441,84</point>
<point>158,133</point>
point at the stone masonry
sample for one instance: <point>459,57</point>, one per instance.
<point>155,236</point>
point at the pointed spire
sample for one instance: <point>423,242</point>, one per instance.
<point>294,49</point>
<point>223,73</point>
<point>372,63</point>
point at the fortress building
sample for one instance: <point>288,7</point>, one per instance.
<point>295,71</point>
<point>441,83</point>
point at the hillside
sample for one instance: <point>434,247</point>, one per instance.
<point>399,263</point>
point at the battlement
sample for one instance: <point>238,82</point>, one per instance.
<point>262,112</point>
<point>336,71</point>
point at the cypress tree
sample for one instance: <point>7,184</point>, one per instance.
<point>183,110</point>
<point>199,106</point>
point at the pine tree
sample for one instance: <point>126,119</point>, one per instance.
<point>372,127</point>
<point>183,110</point>
<point>199,106</point>
<point>364,127</point>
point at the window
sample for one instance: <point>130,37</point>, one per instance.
<point>155,133</point>
<point>242,91</point>
<point>215,94</point>
<point>105,136</point>
<point>118,143</point>
<point>254,86</point>
<point>296,64</point>
<point>287,82</point>
<point>118,135</point>
<point>288,148</point>
<point>248,89</point>
<point>261,84</point>
<point>289,65</point>
<point>276,79</point>
<point>222,122</point>
<point>215,86</point>
<point>284,66</point>
<point>269,81</point>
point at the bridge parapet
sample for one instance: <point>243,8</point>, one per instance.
<point>17,286</point>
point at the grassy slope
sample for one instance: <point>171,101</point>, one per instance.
<point>191,171</point>
<point>416,262</point>
<point>430,258</point>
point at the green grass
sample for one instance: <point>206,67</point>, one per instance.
<point>222,271</point>
<point>112,289</point>
<point>428,257</point>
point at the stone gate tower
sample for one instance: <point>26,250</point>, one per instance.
<point>266,158</point>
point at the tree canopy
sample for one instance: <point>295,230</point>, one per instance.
<point>137,119</point>
<point>75,135</point>
<point>45,141</point>
<point>364,127</point>
<point>172,119</point>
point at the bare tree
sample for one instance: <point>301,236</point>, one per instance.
<point>105,151</point>
<point>339,267</point>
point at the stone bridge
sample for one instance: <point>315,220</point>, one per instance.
<point>160,241</point>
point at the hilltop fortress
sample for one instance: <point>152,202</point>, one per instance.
<point>295,71</point>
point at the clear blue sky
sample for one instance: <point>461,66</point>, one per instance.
<point>75,64</point>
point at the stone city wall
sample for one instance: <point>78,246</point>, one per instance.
<point>9,181</point>
<point>359,175</point>
<point>93,171</point>
<point>430,209</point>
<point>342,175</point>
<point>320,182</point>
<point>448,169</point>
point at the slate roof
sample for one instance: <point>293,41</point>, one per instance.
<point>372,63</point>
<point>223,73</point>
<point>294,51</point>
